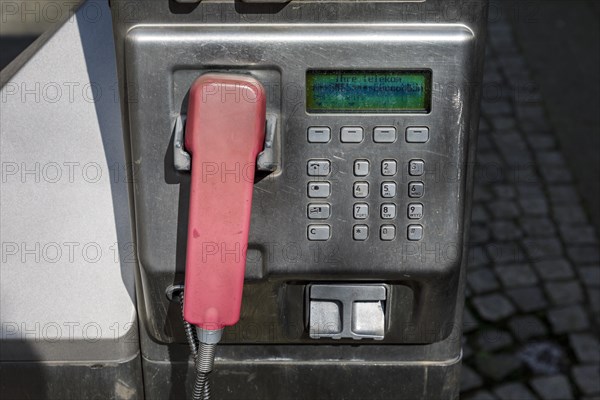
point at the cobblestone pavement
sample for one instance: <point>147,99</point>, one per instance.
<point>533,284</point>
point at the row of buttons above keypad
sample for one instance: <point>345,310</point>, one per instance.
<point>356,134</point>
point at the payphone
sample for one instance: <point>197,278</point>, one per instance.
<point>325,146</point>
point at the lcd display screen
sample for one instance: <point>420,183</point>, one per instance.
<point>351,91</point>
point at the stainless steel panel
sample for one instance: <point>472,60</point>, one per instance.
<point>165,60</point>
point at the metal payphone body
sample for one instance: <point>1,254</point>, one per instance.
<point>358,232</point>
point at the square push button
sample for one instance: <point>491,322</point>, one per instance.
<point>360,232</point>
<point>319,134</point>
<point>319,190</point>
<point>319,232</point>
<point>417,135</point>
<point>384,134</point>
<point>352,134</point>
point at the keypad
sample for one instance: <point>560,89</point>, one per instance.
<point>384,208</point>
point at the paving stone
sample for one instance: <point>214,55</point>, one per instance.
<point>593,295</point>
<point>493,339</point>
<point>541,249</point>
<point>554,269</point>
<point>469,379</point>
<point>504,209</point>
<point>535,126</point>
<point>541,141</point>
<point>484,143</point>
<point>543,358</point>
<point>534,206</point>
<point>480,193</point>
<point>527,327</point>
<point>550,158</point>
<point>587,378</point>
<point>561,194</point>
<point>503,123</point>
<point>514,391</point>
<point>537,227</point>
<point>492,108</point>
<point>467,350</point>
<point>493,307</point>
<point>554,175</point>
<point>528,299</point>
<point>479,214</point>
<point>482,280</point>
<point>529,190</point>
<point>505,253</point>
<point>578,234</point>
<point>584,254</point>
<point>568,319</point>
<point>479,234</point>
<point>569,214</point>
<point>497,366</point>
<point>586,347</point>
<point>564,293</point>
<point>478,257</point>
<point>504,191</point>
<point>481,395</point>
<point>532,113</point>
<point>555,387</point>
<point>590,276</point>
<point>469,321</point>
<point>505,230</point>
<point>516,275</point>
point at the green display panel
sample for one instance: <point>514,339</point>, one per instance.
<point>352,91</point>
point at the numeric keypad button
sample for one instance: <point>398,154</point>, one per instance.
<point>388,190</point>
<point>415,211</point>
<point>361,211</point>
<point>361,167</point>
<point>361,190</point>
<point>387,232</point>
<point>360,232</point>
<point>416,189</point>
<point>388,211</point>
<point>416,167</point>
<point>389,167</point>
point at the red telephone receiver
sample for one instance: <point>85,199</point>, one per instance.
<point>225,131</point>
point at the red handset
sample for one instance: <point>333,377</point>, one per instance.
<point>224,133</point>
